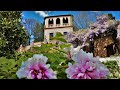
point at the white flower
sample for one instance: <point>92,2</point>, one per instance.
<point>86,67</point>
<point>36,68</point>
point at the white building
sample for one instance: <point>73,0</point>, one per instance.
<point>60,23</point>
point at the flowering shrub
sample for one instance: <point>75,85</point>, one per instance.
<point>114,69</point>
<point>36,68</point>
<point>86,67</point>
<point>51,61</point>
<point>66,62</point>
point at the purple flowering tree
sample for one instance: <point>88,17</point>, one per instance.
<point>104,24</point>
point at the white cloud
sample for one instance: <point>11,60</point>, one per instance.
<point>95,11</point>
<point>22,14</point>
<point>42,13</point>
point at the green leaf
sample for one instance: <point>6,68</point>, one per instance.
<point>58,34</point>
<point>64,45</point>
<point>3,60</point>
<point>60,39</point>
<point>11,63</point>
<point>21,59</point>
<point>1,77</point>
<point>5,67</point>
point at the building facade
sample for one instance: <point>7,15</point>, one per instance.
<point>53,24</point>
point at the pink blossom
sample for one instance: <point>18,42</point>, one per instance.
<point>86,67</point>
<point>36,68</point>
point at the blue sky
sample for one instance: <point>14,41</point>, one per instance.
<point>39,15</point>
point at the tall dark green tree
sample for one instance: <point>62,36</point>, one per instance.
<point>12,33</point>
<point>39,32</point>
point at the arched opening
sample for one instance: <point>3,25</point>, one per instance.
<point>65,20</point>
<point>110,50</point>
<point>57,21</point>
<point>50,21</point>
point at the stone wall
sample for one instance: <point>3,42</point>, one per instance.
<point>101,46</point>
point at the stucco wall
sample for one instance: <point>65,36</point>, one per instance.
<point>62,30</point>
<point>57,27</point>
<point>61,21</point>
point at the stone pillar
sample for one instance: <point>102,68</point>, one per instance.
<point>31,45</point>
<point>45,40</point>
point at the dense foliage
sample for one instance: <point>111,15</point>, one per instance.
<point>9,67</point>
<point>12,33</point>
<point>56,57</point>
<point>55,54</point>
